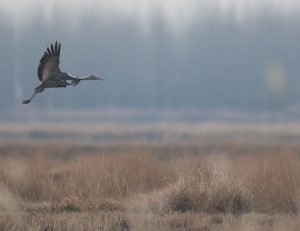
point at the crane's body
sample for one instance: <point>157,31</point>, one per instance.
<point>50,75</point>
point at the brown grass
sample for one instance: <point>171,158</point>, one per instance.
<point>238,186</point>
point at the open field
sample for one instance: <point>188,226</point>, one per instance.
<point>189,185</point>
<point>108,132</point>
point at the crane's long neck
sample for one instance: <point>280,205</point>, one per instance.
<point>89,77</point>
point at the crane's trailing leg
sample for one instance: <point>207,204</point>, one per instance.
<point>26,101</point>
<point>38,89</point>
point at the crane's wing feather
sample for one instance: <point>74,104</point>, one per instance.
<point>49,63</point>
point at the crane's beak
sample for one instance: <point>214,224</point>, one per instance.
<point>92,77</point>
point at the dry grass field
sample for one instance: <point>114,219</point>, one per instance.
<point>189,185</point>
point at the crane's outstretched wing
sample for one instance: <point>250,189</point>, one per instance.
<point>49,63</point>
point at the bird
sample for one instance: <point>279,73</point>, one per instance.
<point>51,76</point>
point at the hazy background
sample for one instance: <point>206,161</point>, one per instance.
<point>202,57</point>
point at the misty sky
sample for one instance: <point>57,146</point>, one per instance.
<point>241,55</point>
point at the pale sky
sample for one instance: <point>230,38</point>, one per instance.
<point>176,13</point>
<point>216,52</point>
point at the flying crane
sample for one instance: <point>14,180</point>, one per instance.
<point>50,75</point>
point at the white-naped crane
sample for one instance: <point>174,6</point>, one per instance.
<point>50,75</point>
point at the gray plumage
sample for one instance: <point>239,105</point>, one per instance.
<point>50,75</point>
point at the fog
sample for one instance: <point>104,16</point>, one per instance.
<point>204,55</point>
